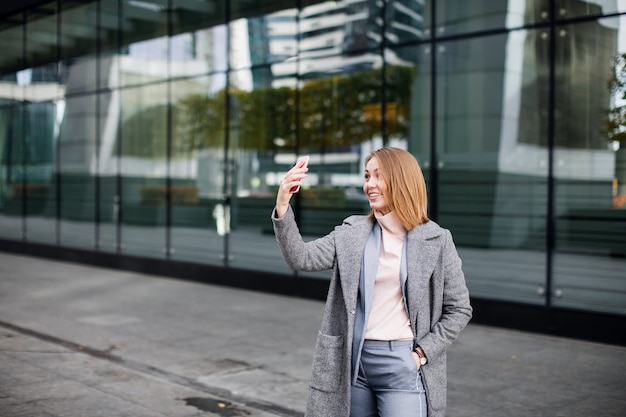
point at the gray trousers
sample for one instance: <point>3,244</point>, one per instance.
<point>388,383</point>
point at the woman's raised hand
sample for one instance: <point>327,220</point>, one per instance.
<point>289,185</point>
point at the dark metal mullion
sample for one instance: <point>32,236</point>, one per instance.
<point>434,174</point>
<point>58,176</point>
<point>15,111</point>
<point>383,75</point>
<point>550,221</point>
<point>97,184</point>
<point>168,178</point>
<point>24,133</point>
<point>226,168</point>
<point>117,204</point>
<point>298,198</point>
<point>297,201</point>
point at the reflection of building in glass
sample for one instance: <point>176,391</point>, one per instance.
<point>334,37</point>
<point>580,90</point>
<point>493,135</point>
<point>32,115</point>
<point>584,82</point>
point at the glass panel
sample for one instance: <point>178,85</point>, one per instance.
<point>108,109</point>
<point>12,179</point>
<point>567,9</point>
<point>406,20</point>
<point>42,116</point>
<point>110,42</point>
<point>414,114</point>
<point>38,153</point>
<point>268,38</point>
<point>252,8</point>
<point>189,16</point>
<point>79,65</point>
<point>458,17</point>
<point>263,123</point>
<point>11,129</point>
<point>196,169</point>
<point>329,45</point>
<point>142,148</point>
<point>357,26</point>
<point>41,47</point>
<point>77,166</point>
<point>79,74</point>
<point>491,181</point>
<point>108,168</point>
<point>145,42</point>
<point>195,48</point>
<point>590,167</point>
<point>12,56</point>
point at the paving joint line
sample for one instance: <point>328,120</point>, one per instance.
<point>162,374</point>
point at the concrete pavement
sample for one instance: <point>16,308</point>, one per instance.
<point>83,341</point>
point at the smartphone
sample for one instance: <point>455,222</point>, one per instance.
<point>306,162</point>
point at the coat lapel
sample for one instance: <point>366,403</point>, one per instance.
<point>350,258</point>
<point>422,256</point>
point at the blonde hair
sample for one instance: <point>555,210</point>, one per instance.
<point>406,189</point>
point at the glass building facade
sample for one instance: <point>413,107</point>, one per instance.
<point>155,132</point>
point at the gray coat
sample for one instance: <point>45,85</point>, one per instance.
<point>437,299</point>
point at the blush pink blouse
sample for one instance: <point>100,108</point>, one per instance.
<point>388,319</point>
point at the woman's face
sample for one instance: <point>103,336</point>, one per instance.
<point>375,188</point>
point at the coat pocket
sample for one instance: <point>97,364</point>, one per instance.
<point>327,363</point>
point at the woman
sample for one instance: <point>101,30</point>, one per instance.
<point>397,297</point>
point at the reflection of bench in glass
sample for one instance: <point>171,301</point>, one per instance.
<point>35,194</point>
<point>593,230</point>
<point>318,222</point>
<point>183,216</point>
<point>180,195</point>
<point>318,216</point>
<point>151,210</point>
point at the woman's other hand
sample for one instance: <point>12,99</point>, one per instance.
<point>417,359</point>
<point>292,180</point>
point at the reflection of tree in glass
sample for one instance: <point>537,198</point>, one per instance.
<point>615,128</point>
<point>144,133</point>
<point>197,120</point>
<point>615,122</point>
<point>331,112</point>
<point>199,123</point>
<point>350,109</point>
<point>267,118</point>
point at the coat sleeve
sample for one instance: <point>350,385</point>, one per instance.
<point>316,255</point>
<point>456,310</point>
